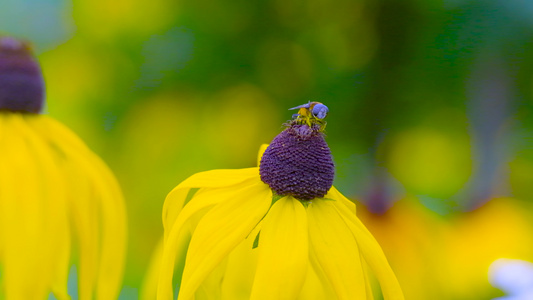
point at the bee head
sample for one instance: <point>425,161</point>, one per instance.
<point>319,111</point>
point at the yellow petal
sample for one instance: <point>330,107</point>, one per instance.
<point>83,209</point>
<point>316,286</point>
<point>24,203</point>
<point>174,248</point>
<point>109,199</point>
<point>240,269</point>
<point>333,193</point>
<point>368,285</point>
<point>114,233</point>
<point>219,178</point>
<point>220,231</point>
<point>58,240</point>
<point>85,222</point>
<point>335,250</point>
<point>176,241</point>
<point>172,206</point>
<point>283,252</point>
<point>372,254</point>
<point>204,199</point>
<point>113,214</point>
<point>262,149</point>
<point>149,286</point>
<point>208,179</point>
<point>211,287</point>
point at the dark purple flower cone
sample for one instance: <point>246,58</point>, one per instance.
<point>21,80</point>
<point>298,163</point>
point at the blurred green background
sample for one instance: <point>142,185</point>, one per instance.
<point>430,124</point>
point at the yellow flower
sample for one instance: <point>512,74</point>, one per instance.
<point>426,250</point>
<point>56,196</point>
<point>280,231</point>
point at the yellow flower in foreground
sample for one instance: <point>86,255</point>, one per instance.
<point>280,231</point>
<point>53,191</point>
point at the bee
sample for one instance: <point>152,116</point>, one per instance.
<point>311,112</point>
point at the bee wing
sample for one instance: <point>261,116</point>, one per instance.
<point>307,105</point>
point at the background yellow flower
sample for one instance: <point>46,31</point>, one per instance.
<point>59,202</point>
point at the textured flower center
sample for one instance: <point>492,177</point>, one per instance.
<point>21,80</point>
<point>298,163</point>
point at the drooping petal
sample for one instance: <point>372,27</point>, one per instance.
<point>112,212</point>
<point>368,285</point>
<point>175,249</point>
<point>114,232</point>
<point>220,231</point>
<point>148,289</point>
<point>211,287</point>
<point>372,254</point>
<point>109,200</point>
<point>316,286</point>
<point>177,239</point>
<point>283,252</point>
<point>57,242</point>
<point>240,269</point>
<point>172,206</point>
<point>208,179</point>
<point>23,208</point>
<point>82,208</point>
<point>333,193</point>
<point>84,216</point>
<point>335,250</point>
<point>219,178</point>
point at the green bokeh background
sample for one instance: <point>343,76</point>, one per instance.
<point>430,105</point>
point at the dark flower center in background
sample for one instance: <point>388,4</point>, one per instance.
<point>21,80</point>
<point>298,163</point>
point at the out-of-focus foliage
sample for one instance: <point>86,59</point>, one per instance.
<point>430,102</point>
